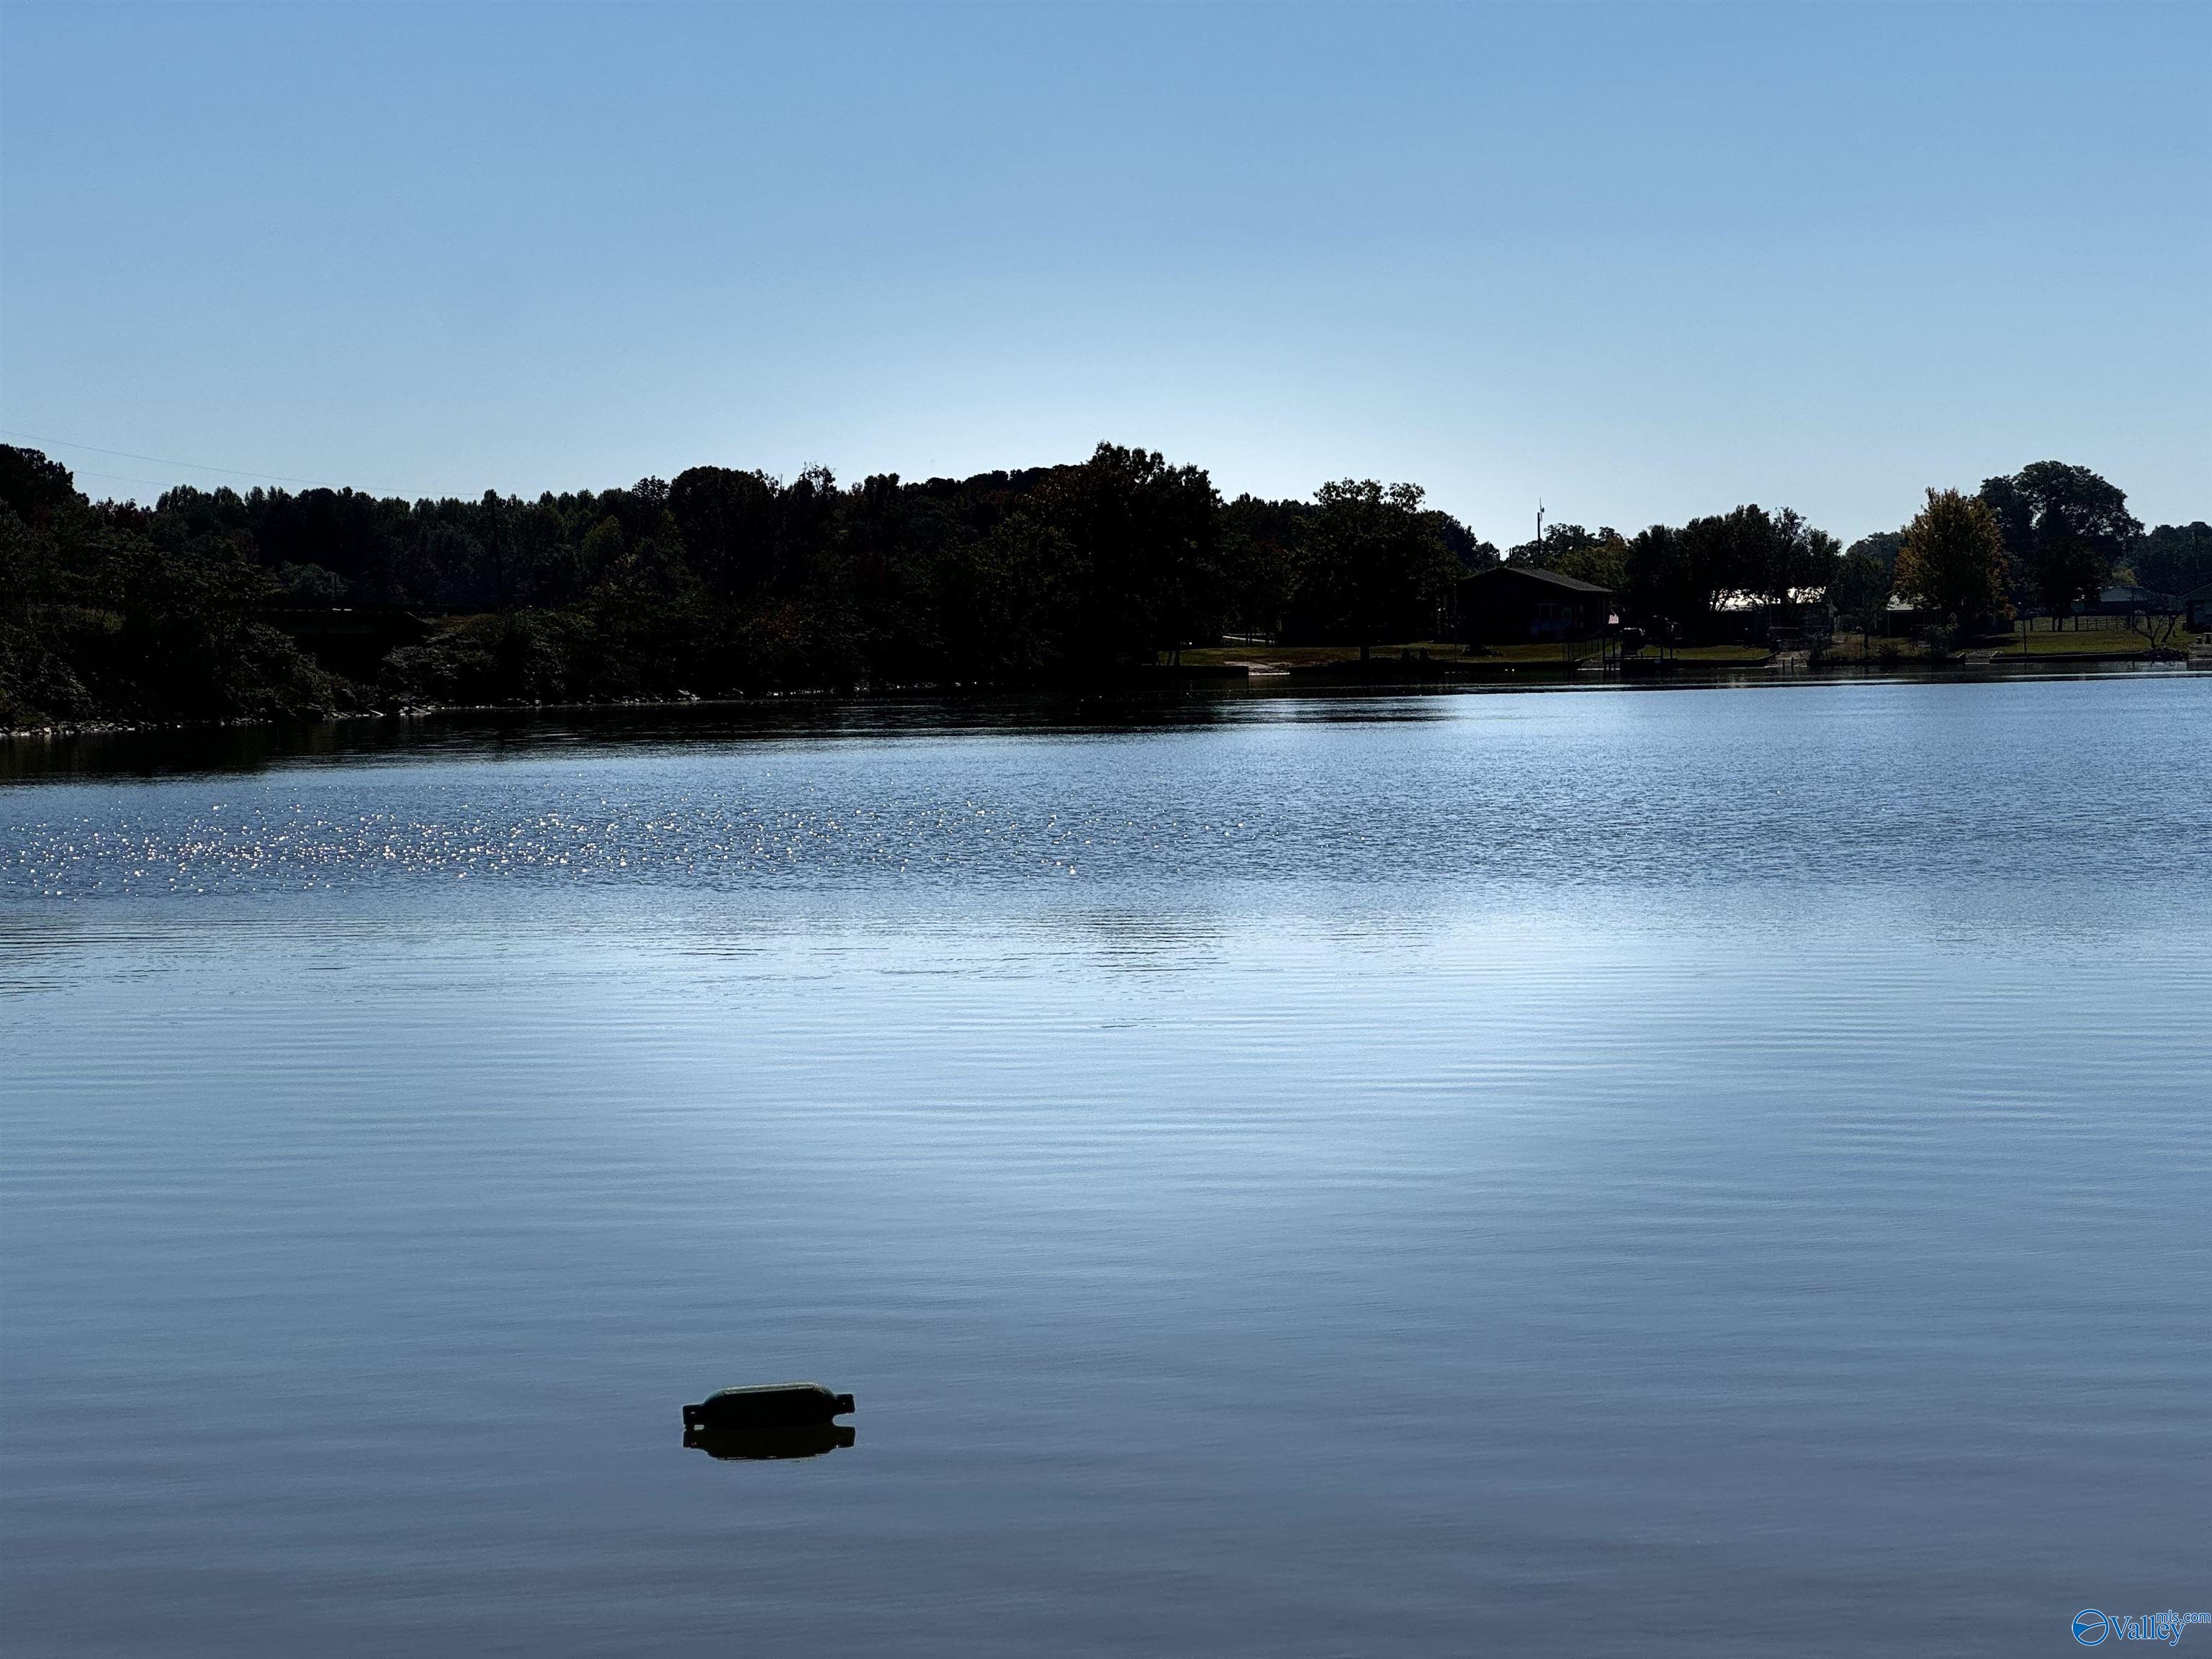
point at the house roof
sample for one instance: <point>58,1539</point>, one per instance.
<point>1571,584</point>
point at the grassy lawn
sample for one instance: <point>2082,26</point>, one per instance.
<point>1286,656</point>
<point>2113,641</point>
<point>1846,650</point>
<point>2041,644</point>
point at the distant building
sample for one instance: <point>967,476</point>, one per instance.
<point>1800,598</point>
<point>1511,604</point>
<point>2120,600</point>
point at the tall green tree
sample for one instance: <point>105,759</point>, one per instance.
<point>2064,527</point>
<point>1953,558</point>
<point>1661,588</point>
<point>1790,559</point>
<point>2174,559</point>
<point>1860,590</point>
<point>1882,546</point>
<point>1144,537</point>
<point>1374,567</point>
<point>1677,581</point>
<point>1260,549</point>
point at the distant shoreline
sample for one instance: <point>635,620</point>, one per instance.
<point>1380,674</point>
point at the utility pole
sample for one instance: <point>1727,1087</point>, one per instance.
<point>1540,528</point>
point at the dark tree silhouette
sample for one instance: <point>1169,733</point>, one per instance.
<point>1375,567</point>
<point>2063,528</point>
<point>221,605</point>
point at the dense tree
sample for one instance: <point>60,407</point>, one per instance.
<point>1663,587</point>
<point>1374,567</point>
<point>2172,566</point>
<point>1881,547</point>
<point>2174,559</point>
<point>1678,580</point>
<point>1953,558</point>
<point>1143,571</point>
<point>34,486</point>
<point>1860,590</point>
<point>1261,543</point>
<point>1468,550</point>
<point>2063,528</point>
<point>116,610</point>
<point>1788,561</point>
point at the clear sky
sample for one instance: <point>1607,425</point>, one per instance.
<point>1644,262</point>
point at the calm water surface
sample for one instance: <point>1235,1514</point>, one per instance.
<point>1617,1173</point>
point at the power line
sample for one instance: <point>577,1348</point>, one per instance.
<point>125,477</point>
<point>167,460</point>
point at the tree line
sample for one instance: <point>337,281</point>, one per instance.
<point>2037,542</point>
<point>722,581</point>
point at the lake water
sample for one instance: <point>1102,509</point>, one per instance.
<point>1628,1172</point>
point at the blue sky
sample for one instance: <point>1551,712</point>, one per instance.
<point>1642,262</point>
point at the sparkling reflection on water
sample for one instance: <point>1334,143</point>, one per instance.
<point>1717,1170</point>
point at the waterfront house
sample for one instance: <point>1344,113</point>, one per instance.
<point>1512,604</point>
<point>2120,600</point>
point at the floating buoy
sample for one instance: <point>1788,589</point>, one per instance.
<point>779,1406</point>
